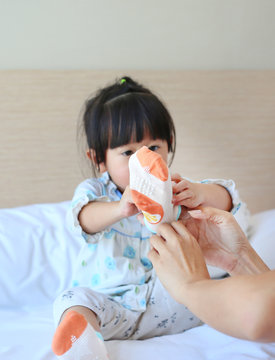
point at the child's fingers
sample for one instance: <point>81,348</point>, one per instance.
<point>183,196</point>
<point>140,218</point>
<point>176,177</point>
<point>181,186</point>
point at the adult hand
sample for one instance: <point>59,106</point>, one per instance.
<point>220,237</point>
<point>177,258</point>
<point>225,304</point>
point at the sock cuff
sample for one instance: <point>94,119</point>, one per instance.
<point>98,334</point>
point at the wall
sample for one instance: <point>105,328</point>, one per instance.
<point>144,34</point>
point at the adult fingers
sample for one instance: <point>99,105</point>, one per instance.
<point>153,256</point>
<point>167,232</point>
<point>166,240</point>
<point>214,215</point>
<point>157,243</point>
<point>176,235</point>
<point>182,231</point>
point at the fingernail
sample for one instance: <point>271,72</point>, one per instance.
<point>195,212</point>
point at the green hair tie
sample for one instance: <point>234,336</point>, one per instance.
<point>122,81</point>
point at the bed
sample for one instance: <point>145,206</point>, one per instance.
<point>225,123</point>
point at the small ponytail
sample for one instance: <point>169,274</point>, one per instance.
<point>128,85</point>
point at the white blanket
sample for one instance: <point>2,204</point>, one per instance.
<point>36,253</point>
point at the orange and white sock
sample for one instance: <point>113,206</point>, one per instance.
<point>76,339</point>
<point>151,188</point>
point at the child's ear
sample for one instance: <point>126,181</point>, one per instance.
<point>92,156</point>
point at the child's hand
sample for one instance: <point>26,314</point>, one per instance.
<point>140,218</point>
<point>126,206</point>
<point>186,193</point>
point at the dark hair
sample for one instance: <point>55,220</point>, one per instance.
<point>123,112</point>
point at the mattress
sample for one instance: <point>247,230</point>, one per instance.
<point>36,253</point>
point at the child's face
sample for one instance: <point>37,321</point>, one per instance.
<point>117,159</point>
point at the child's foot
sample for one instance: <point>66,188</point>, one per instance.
<point>75,339</point>
<point>151,188</point>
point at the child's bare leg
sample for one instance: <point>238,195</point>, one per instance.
<point>78,336</point>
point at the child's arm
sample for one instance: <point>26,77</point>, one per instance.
<point>96,216</point>
<point>191,194</point>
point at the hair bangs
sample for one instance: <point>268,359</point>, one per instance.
<point>134,116</point>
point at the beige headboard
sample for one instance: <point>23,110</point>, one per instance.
<point>225,123</point>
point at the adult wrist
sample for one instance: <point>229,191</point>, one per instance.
<point>249,263</point>
<point>191,292</point>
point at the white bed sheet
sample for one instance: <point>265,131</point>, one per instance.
<point>36,252</point>
<point>26,335</point>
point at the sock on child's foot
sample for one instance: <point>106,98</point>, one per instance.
<point>151,188</point>
<point>76,339</point>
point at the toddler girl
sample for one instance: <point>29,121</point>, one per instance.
<point>115,293</point>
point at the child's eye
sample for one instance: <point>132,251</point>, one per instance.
<point>127,153</point>
<point>154,148</point>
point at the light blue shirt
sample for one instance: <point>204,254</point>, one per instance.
<point>113,261</point>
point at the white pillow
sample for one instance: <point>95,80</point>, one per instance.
<point>36,254</point>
